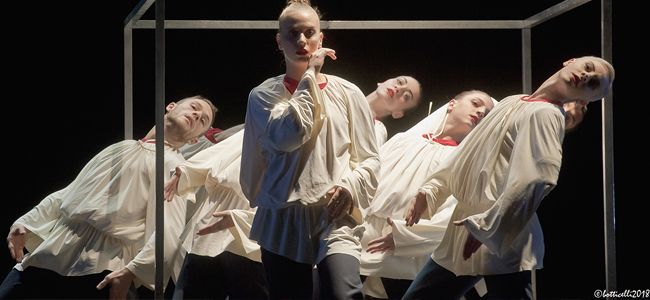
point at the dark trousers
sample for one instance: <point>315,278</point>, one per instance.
<point>37,283</point>
<point>219,277</point>
<point>395,288</point>
<point>338,277</point>
<point>436,282</point>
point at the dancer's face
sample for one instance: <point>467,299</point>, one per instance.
<point>399,94</point>
<point>467,112</point>
<point>299,35</point>
<point>583,79</point>
<point>188,119</point>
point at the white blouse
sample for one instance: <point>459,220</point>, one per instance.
<point>297,147</point>
<point>499,175</point>
<point>105,219</point>
<point>406,161</point>
<point>217,168</point>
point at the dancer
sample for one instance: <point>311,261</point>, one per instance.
<point>221,262</point>
<point>99,230</point>
<point>393,97</point>
<point>406,161</point>
<point>213,136</point>
<point>411,247</point>
<point>309,160</point>
<point>500,174</point>
<point>223,221</point>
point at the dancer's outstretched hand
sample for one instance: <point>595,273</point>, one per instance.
<point>16,241</point>
<point>225,223</point>
<point>341,202</point>
<point>418,206</point>
<point>317,59</point>
<point>119,281</point>
<point>172,186</point>
<point>471,243</point>
<point>383,243</point>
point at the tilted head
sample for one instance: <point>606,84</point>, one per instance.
<point>585,79</point>
<point>188,119</point>
<point>465,111</point>
<point>399,94</point>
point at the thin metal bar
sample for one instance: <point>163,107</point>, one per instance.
<point>128,83</point>
<point>160,148</point>
<point>608,154</point>
<point>251,24</point>
<point>137,12</point>
<point>533,21</point>
<point>463,24</point>
<point>527,88</point>
<point>526,62</point>
<point>131,19</point>
<point>552,12</point>
<point>209,24</point>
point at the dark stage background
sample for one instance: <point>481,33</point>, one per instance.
<point>65,68</point>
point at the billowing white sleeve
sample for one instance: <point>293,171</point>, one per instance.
<point>437,188</point>
<point>208,166</point>
<point>143,266</point>
<point>243,220</point>
<point>292,123</point>
<point>364,153</point>
<point>417,240</point>
<point>41,219</point>
<point>534,168</point>
<point>422,238</point>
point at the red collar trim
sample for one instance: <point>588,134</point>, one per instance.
<point>291,84</point>
<point>429,136</point>
<point>210,134</point>
<point>527,99</point>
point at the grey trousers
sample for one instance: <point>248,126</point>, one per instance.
<point>338,278</point>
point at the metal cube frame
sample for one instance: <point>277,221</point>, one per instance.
<point>134,21</point>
